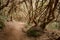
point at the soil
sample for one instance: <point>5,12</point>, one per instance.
<point>13,31</point>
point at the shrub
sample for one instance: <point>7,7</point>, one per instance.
<point>33,33</point>
<point>1,25</point>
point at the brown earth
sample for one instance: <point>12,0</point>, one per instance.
<point>13,31</point>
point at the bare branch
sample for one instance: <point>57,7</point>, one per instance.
<point>4,5</point>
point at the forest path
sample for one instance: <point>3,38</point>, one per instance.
<point>13,31</point>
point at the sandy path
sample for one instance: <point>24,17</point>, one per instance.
<point>12,31</point>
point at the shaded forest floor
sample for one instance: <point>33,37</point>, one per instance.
<point>13,31</point>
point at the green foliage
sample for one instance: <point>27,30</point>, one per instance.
<point>1,25</point>
<point>2,20</point>
<point>53,26</point>
<point>33,33</point>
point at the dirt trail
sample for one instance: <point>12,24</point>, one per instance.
<point>13,31</point>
